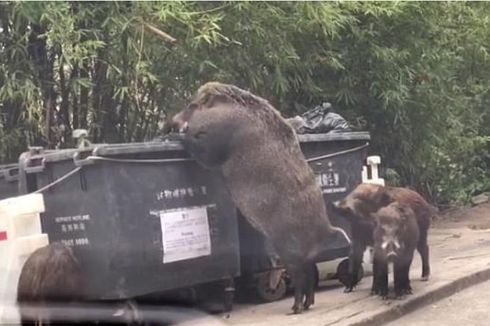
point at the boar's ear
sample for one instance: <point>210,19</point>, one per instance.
<point>185,115</point>
<point>382,197</point>
<point>210,100</point>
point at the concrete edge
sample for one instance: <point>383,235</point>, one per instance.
<point>427,298</point>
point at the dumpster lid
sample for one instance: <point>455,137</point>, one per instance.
<point>58,155</point>
<point>336,136</point>
<point>9,172</point>
<point>9,166</point>
<point>107,150</point>
<point>135,148</point>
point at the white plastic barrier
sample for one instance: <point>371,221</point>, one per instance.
<point>372,164</point>
<point>20,235</point>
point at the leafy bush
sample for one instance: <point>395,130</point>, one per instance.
<point>416,75</point>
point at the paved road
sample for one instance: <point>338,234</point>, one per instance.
<point>469,307</point>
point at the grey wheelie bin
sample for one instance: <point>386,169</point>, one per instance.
<point>9,176</point>
<point>337,160</point>
<point>143,217</point>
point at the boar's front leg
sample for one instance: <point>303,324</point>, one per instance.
<point>355,263</point>
<point>399,278</point>
<point>404,282</point>
<point>381,277</point>
<point>423,249</point>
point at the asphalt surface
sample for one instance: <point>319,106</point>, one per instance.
<point>460,257</point>
<point>469,307</point>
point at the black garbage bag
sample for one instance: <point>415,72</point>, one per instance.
<point>319,120</point>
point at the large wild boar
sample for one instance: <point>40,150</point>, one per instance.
<point>396,235</point>
<point>50,275</point>
<point>366,199</point>
<point>269,180</point>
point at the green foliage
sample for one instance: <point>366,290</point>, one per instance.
<point>415,74</point>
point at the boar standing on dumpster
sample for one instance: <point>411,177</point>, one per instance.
<point>266,173</point>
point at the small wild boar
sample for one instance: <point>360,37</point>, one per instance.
<point>51,274</point>
<point>366,199</point>
<point>258,154</point>
<point>396,234</point>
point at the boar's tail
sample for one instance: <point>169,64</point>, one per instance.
<point>335,237</point>
<point>342,232</point>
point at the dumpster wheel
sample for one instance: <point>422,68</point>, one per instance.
<point>343,272</point>
<point>265,293</point>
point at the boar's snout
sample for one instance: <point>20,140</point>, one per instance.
<point>391,248</point>
<point>340,205</point>
<point>175,124</point>
<point>183,127</point>
<point>391,255</point>
<point>343,207</point>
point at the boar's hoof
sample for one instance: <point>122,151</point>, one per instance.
<point>425,278</point>
<point>297,308</point>
<point>309,301</point>
<point>400,293</point>
<point>399,296</point>
<point>383,293</point>
<point>349,289</point>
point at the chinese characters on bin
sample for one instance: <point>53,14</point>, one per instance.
<point>70,224</point>
<point>182,192</point>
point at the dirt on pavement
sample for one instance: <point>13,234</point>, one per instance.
<point>472,217</point>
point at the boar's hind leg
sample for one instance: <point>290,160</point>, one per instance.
<point>355,262</point>
<point>423,249</point>
<point>299,278</point>
<point>375,286</point>
<point>309,285</point>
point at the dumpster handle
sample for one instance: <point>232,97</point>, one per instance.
<point>55,182</point>
<point>167,160</point>
<point>9,177</point>
<point>337,153</point>
<point>35,168</point>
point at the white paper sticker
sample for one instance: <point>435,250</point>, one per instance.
<point>185,234</point>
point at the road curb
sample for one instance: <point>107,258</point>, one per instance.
<point>419,301</point>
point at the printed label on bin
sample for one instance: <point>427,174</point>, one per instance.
<point>185,234</point>
<point>330,182</point>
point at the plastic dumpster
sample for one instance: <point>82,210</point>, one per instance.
<point>142,217</point>
<point>9,176</point>
<point>337,160</point>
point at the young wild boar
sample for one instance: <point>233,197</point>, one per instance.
<point>51,274</point>
<point>269,180</point>
<point>369,198</point>
<point>396,235</point>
